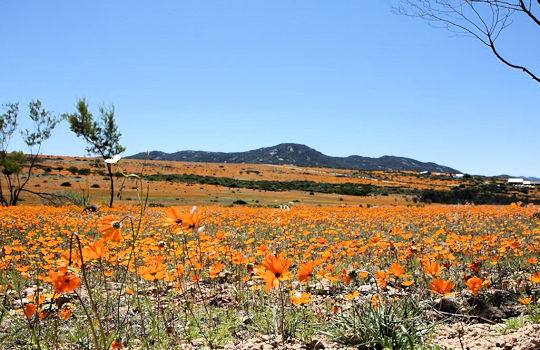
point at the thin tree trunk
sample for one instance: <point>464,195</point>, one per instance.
<point>3,201</point>
<point>109,169</point>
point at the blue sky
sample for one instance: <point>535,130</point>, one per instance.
<point>344,77</point>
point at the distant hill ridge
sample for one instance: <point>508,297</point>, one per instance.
<point>301,155</point>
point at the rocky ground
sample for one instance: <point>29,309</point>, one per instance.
<point>485,336</point>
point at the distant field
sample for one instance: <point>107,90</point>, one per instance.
<point>174,183</point>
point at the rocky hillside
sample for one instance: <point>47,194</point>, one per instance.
<point>296,154</point>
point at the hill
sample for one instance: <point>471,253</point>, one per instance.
<point>300,155</point>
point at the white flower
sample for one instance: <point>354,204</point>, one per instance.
<point>113,160</point>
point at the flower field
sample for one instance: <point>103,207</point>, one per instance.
<point>213,277</point>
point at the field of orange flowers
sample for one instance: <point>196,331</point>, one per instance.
<point>158,278</point>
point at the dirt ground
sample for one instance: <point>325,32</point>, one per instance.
<point>487,336</point>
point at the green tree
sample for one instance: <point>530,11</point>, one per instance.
<point>102,137</point>
<point>16,166</point>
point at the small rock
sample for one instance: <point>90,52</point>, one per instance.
<point>197,342</point>
<point>366,288</point>
<point>314,345</point>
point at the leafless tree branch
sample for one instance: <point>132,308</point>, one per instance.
<point>483,20</point>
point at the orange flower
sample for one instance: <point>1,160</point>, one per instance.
<point>532,261</point>
<point>346,277</point>
<point>109,227</point>
<point>117,345</point>
<point>66,312</point>
<point>215,269</point>
<point>397,269</point>
<point>302,299</point>
<point>64,281</point>
<point>30,309</point>
<point>94,251</point>
<point>442,287</point>
<point>525,301</point>
<point>432,268</point>
<point>474,284</point>
<point>353,295</point>
<point>305,271</point>
<point>382,279</point>
<point>376,301</point>
<point>178,220</point>
<point>275,269</point>
<point>154,269</point>
<point>535,277</point>
<point>407,283</point>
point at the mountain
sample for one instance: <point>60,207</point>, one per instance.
<point>530,178</point>
<point>301,155</point>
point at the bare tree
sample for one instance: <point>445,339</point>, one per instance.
<point>483,20</point>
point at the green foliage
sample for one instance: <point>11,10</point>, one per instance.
<point>73,169</point>
<point>44,123</point>
<point>79,198</point>
<point>391,325</point>
<point>513,323</point>
<point>277,186</point>
<point>12,163</point>
<point>301,323</point>
<point>8,124</point>
<point>101,136</point>
<point>84,171</point>
<point>483,194</point>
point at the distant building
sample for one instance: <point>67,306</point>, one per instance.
<point>459,176</point>
<point>425,172</point>
<point>516,181</point>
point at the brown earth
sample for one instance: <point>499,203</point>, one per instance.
<point>167,193</point>
<point>486,336</point>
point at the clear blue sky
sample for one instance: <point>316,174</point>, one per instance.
<point>344,77</point>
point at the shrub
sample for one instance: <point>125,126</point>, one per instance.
<point>73,169</point>
<point>65,184</point>
<point>95,186</point>
<point>78,198</point>
<point>84,171</point>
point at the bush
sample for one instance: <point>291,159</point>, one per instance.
<point>84,171</point>
<point>240,202</point>
<point>73,169</point>
<point>74,197</point>
<point>95,186</point>
<point>65,184</point>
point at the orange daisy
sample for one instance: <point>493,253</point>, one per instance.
<point>305,271</point>
<point>274,271</point>
<point>64,281</point>
<point>109,227</point>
